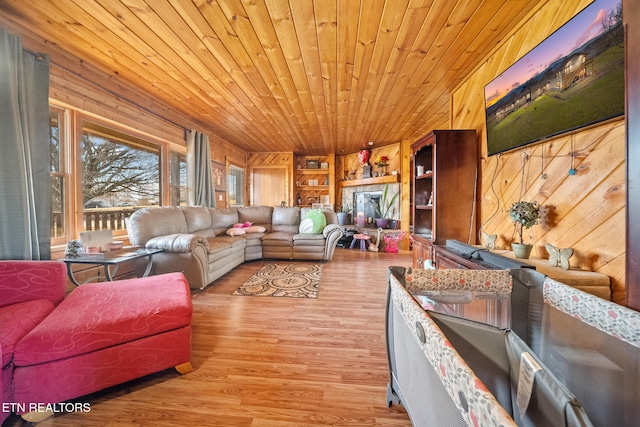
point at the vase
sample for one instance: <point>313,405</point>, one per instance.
<point>382,222</point>
<point>366,171</point>
<point>521,251</point>
<point>343,218</point>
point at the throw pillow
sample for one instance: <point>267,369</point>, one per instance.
<point>235,231</point>
<point>313,222</point>
<point>255,229</point>
<point>242,225</point>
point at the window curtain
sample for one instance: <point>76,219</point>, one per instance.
<point>25,183</point>
<point>200,177</point>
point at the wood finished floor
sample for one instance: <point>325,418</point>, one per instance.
<point>268,361</point>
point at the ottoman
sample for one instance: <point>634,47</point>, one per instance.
<point>101,335</point>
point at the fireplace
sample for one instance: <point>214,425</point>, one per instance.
<point>366,206</point>
<point>365,202</point>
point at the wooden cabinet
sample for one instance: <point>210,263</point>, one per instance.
<point>314,180</point>
<point>443,187</point>
<point>421,249</point>
<point>444,258</point>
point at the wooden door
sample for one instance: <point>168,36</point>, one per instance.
<point>269,186</point>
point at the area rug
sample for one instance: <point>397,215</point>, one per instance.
<point>283,280</point>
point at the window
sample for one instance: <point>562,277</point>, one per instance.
<point>236,185</point>
<point>178,178</point>
<point>101,172</point>
<point>57,135</point>
<point>120,173</point>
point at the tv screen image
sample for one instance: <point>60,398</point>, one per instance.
<point>573,79</point>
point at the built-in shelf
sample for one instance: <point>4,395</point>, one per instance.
<point>312,171</point>
<point>324,190</point>
<point>387,179</point>
<point>425,175</point>
<point>312,187</point>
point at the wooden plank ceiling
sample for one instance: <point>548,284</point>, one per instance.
<point>312,77</point>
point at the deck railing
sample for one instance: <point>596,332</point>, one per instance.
<point>96,219</point>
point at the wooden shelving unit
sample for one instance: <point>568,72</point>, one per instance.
<point>449,162</point>
<point>324,190</point>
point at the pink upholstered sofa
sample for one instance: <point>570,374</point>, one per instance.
<point>56,348</point>
<point>29,291</point>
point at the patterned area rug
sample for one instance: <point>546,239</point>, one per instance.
<point>283,280</point>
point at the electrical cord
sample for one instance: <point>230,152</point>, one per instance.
<point>493,190</point>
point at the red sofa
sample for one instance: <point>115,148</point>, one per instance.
<point>29,291</point>
<point>100,335</point>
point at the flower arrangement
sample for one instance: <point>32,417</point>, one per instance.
<point>382,161</point>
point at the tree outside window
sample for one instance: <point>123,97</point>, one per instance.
<point>120,173</point>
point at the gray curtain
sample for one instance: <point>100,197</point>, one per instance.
<point>25,183</point>
<point>200,176</point>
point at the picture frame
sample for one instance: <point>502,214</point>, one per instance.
<point>312,164</point>
<point>324,165</point>
<point>219,173</point>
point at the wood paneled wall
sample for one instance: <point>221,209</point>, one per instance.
<point>77,84</point>
<point>585,211</point>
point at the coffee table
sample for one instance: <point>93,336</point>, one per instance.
<point>111,261</point>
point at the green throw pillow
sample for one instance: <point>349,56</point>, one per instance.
<point>313,222</point>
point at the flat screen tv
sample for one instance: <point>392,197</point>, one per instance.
<point>573,79</point>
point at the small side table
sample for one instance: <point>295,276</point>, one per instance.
<point>111,261</point>
<point>363,238</point>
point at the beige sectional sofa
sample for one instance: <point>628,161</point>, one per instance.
<point>195,239</point>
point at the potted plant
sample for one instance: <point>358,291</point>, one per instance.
<point>524,215</point>
<point>343,214</point>
<point>385,208</point>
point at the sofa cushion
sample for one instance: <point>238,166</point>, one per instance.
<point>17,320</point>
<point>222,219</point>
<point>24,280</point>
<point>279,236</point>
<point>234,242</point>
<point>256,215</point>
<point>304,237</point>
<point>313,222</point>
<point>181,243</point>
<point>253,238</point>
<point>207,234</point>
<point>197,217</point>
<point>147,223</point>
<point>234,231</point>
<point>101,315</point>
<point>217,245</point>
<point>285,218</point>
